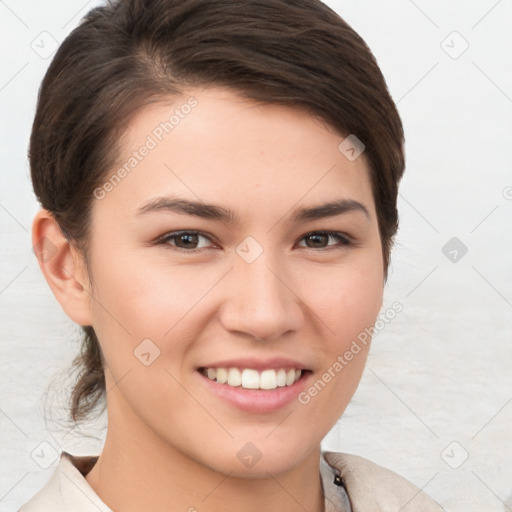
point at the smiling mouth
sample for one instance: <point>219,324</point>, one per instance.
<point>249,378</point>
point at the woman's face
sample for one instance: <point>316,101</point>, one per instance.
<point>251,283</point>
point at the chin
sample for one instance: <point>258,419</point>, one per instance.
<point>258,459</point>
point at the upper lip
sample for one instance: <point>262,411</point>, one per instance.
<point>274,363</point>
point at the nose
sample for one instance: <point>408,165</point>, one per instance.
<point>261,300</point>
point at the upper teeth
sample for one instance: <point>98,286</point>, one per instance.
<point>252,379</point>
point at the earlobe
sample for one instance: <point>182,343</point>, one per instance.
<point>63,268</point>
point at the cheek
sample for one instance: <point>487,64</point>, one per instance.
<point>134,302</point>
<point>348,303</point>
<point>143,322</point>
<point>347,299</point>
<point>344,360</point>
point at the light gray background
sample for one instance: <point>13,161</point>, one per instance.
<point>437,388</point>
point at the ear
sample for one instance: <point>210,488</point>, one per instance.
<point>63,267</point>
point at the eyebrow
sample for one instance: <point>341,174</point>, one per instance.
<point>215,212</point>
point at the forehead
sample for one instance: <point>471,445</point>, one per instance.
<point>216,146</point>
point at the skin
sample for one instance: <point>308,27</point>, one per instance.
<point>171,443</point>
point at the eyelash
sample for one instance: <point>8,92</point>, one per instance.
<point>340,237</point>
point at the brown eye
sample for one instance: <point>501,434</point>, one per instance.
<point>320,239</point>
<point>187,240</point>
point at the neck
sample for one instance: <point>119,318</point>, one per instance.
<point>138,470</point>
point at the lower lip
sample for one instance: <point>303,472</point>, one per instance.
<point>259,401</point>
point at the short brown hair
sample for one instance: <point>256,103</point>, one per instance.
<point>128,53</point>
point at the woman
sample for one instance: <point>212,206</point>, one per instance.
<point>218,184</point>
